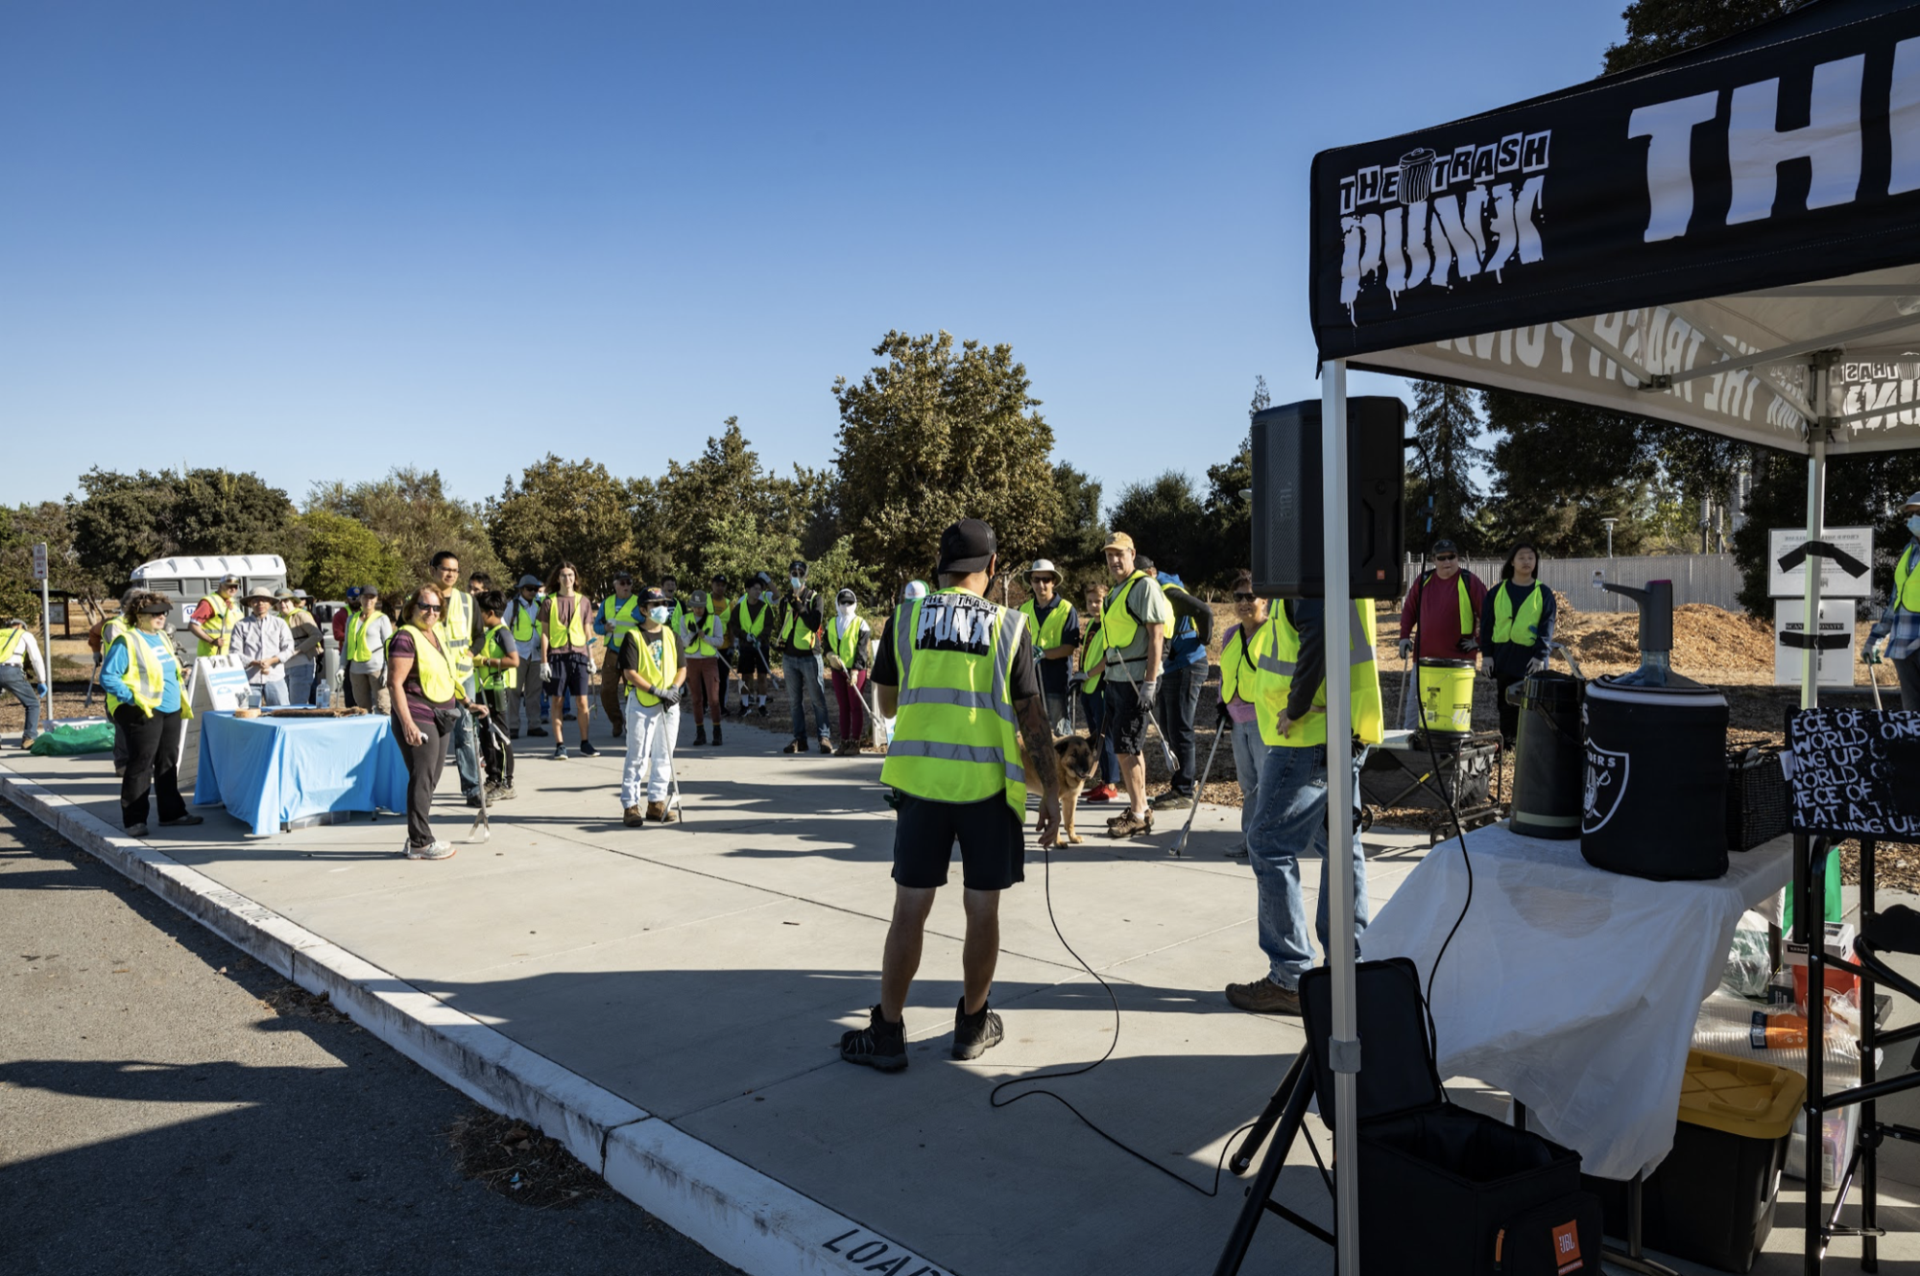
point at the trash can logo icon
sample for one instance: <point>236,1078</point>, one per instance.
<point>1416,175</point>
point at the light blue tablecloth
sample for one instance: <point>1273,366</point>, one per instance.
<point>269,771</point>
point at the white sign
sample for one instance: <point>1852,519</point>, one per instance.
<point>40,562</point>
<point>1837,580</point>
<point>1836,663</point>
<point>219,684</point>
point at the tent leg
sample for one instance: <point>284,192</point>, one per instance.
<point>1816,528</point>
<point>1340,957</point>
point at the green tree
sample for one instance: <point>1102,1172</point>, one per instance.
<point>572,510</point>
<point>1167,522</point>
<point>411,513</point>
<point>1560,468</point>
<point>1229,515</point>
<point>1867,489</point>
<point>128,519</point>
<point>1441,490</point>
<point>17,595</point>
<point>337,551</point>
<point>1661,28</point>
<point>936,434</point>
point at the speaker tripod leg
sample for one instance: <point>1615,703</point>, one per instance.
<point>1286,1109</point>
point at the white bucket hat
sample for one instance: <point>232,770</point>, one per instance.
<point>1044,565</point>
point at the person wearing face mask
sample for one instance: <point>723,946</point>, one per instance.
<point>1896,638</point>
<point>705,636</point>
<point>654,675</point>
<point>800,626</point>
<point>751,630</point>
<point>848,661</point>
<point>1516,626</point>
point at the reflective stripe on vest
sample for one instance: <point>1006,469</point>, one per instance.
<point>147,674</point>
<point>846,645</point>
<point>357,648</point>
<point>1053,632</point>
<point>707,642</point>
<point>456,629</point>
<point>658,673</point>
<point>220,625</point>
<point>494,647</point>
<point>1277,655</point>
<point>1527,629</point>
<point>572,633</point>
<point>431,666</point>
<point>1118,623</point>
<point>621,618</point>
<point>1906,580</point>
<point>750,625</point>
<point>955,739</point>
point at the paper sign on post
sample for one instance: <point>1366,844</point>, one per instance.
<point>1849,576</point>
<point>1836,628</point>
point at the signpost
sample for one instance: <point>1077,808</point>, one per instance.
<point>46,624</point>
<point>1850,576</point>
<point>1836,628</point>
<point>1845,577</point>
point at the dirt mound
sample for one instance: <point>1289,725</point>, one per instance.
<point>1708,642</point>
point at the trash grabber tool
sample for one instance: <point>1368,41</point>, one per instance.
<point>1873,680</point>
<point>482,831</point>
<point>1180,847</point>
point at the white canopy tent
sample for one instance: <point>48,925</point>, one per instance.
<point>1728,239</point>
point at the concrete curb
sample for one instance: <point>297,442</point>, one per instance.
<point>752,1221</point>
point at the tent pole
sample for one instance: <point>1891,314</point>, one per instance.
<point>1345,1045</point>
<point>1816,523</point>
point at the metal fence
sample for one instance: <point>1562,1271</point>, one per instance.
<point>1697,578</point>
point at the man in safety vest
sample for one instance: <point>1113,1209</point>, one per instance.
<point>800,624</point>
<point>958,670</point>
<point>1239,697</point>
<point>1055,627</point>
<point>457,619</point>
<point>749,624</point>
<point>1897,637</point>
<point>496,671</point>
<point>17,650</point>
<point>1444,606</point>
<point>1134,624</point>
<point>566,656</point>
<point>1291,818</point>
<point>618,615</point>
<point>214,618</point>
<point>522,619</point>
<point>653,674</point>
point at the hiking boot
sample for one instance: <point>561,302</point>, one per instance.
<point>700,734</point>
<point>974,1035</point>
<point>536,731</point>
<point>633,818</point>
<point>586,748</point>
<point>659,814</point>
<point>1264,997</point>
<point>136,830</point>
<point>500,793</point>
<point>795,746</point>
<point>824,746</point>
<point>1173,800</point>
<point>879,1045</point>
<point>1127,824</point>
<point>431,851</point>
<point>475,800</point>
<point>183,821</point>
<point>716,735</point>
<point>1100,793</point>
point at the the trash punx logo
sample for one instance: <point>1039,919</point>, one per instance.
<point>1435,218</point>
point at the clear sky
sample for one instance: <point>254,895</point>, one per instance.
<point>320,239</point>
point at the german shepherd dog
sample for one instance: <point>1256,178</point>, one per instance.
<point>1076,758</point>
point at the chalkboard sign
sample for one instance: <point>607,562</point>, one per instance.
<point>1855,773</point>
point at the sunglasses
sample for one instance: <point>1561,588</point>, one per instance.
<point>426,607</point>
<point>1446,558</point>
<point>1243,598</point>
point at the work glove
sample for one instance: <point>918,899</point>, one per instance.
<point>1874,652</point>
<point>1469,645</point>
<point>1224,718</point>
<point>1150,690</point>
<point>1536,665</point>
<point>673,695</point>
<point>43,691</point>
<point>546,671</point>
<point>1406,648</point>
<point>835,663</point>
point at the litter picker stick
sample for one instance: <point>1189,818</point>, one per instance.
<point>1180,847</point>
<point>1873,680</point>
<point>482,830</point>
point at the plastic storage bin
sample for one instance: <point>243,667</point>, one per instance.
<point>1712,1200</point>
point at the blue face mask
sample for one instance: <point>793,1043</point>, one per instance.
<point>659,614</point>
<point>798,582</point>
<point>1913,524</point>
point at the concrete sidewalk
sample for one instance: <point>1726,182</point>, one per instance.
<point>692,982</point>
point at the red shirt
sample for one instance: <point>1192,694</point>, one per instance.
<point>1435,604</point>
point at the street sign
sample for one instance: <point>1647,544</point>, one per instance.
<point>1836,621</point>
<point>1851,577</point>
<point>39,562</point>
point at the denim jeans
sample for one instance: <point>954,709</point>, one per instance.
<point>272,691</point>
<point>14,678</point>
<point>804,684</point>
<point>1249,755</point>
<point>1292,818</point>
<point>466,748</point>
<point>1176,706</point>
<point>1094,705</point>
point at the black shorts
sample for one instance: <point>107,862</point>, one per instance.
<point>572,672</point>
<point>993,843</point>
<point>1126,717</point>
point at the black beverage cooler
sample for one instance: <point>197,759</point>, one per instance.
<point>1656,781</point>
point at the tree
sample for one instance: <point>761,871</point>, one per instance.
<point>126,520</point>
<point>1863,489</point>
<point>572,510</point>
<point>1442,489</point>
<point>17,595</point>
<point>1078,532</point>
<point>1167,522</point>
<point>337,551</point>
<point>1230,514</point>
<point>1261,399</point>
<point>1660,28</point>
<point>934,435</point>
<point>1560,468</point>
<point>411,513</point>
<point>50,522</point>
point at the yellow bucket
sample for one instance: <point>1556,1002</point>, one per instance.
<point>1446,696</point>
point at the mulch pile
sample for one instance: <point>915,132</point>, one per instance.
<point>512,1158</point>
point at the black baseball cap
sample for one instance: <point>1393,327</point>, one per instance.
<point>148,609</point>
<point>967,546</point>
<point>1445,546</point>
<point>654,597</point>
<point>798,567</point>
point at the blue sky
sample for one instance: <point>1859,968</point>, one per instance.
<point>318,240</point>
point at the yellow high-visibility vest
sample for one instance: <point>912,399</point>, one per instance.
<point>432,666</point>
<point>1276,658</point>
<point>572,633</point>
<point>658,673</point>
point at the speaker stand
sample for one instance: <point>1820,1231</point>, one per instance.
<point>1286,1109</point>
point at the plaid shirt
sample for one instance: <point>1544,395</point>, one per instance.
<point>1902,625</point>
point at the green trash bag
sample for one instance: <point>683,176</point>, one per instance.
<point>66,742</point>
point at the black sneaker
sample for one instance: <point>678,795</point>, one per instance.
<point>536,731</point>
<point>700,734</point>
<point>475,800</point>
<point>1173,800</point>
<point>974,1035</point>
<point>587,750</point>
<point>879,1045</point>
<point>183,821</point>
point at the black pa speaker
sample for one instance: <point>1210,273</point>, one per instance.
<point>1289,550</point>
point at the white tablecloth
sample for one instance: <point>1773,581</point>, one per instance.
<point>1573,989</point>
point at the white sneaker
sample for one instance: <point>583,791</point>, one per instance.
<point>431,851</point>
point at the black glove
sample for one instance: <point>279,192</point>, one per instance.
<point>672,695</point>
<point>1225,719</point>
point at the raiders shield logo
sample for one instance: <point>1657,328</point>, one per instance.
<point>1606,785</point>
